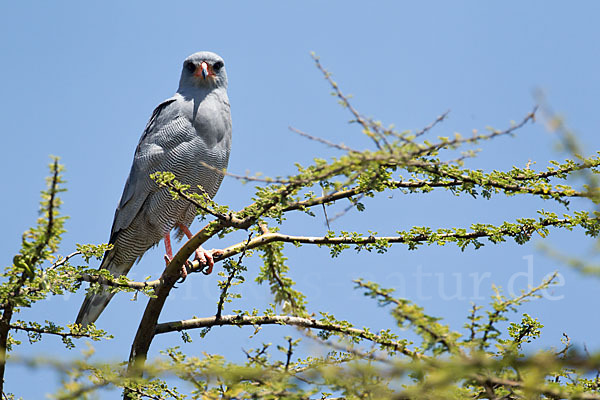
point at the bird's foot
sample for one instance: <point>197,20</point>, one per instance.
<point>206,258</point>
<point>184,268</point>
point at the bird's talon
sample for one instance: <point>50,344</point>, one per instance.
<point>184,270</point>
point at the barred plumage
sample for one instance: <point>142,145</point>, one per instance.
<point>192,127</point>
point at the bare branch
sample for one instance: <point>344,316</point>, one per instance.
<point>476,137</point>
<point>433,124</point>
<point>346,103</point>
<point>339,146</point>
<point>64,260</point>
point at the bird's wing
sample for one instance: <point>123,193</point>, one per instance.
<point>148,157</point>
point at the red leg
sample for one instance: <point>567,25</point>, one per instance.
<point>204,257</point>
<point>168,249</point>
<point>185,230</point>
<point>169,255</point>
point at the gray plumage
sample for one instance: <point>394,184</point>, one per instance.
<point>192,127</point>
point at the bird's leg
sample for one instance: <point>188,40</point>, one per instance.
<point>204,257</point>
<point>169,255</point>
<point>168,249</point>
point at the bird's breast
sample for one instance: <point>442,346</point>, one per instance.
<point>212,121</point>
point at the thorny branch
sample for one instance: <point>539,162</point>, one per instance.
<point>245,320</point>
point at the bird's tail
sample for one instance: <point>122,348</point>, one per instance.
<point>95,303</point>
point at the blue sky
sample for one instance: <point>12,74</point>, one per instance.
<point>80,81</point>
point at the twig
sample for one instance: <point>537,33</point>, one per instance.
<point>434,123</point>
<point>345,210</point>
<point>344,99</point>
<point>339,146</point>
<point>62,261</point>
<point>476,138</point>
<point>289,354</point>
<point>473,323</point>
<point>229,279</point>
<point>503,306</point>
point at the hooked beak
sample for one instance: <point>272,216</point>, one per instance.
<point>204,69</point>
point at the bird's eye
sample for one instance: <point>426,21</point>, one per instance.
<point>217,66</point>
<point>190,66</point>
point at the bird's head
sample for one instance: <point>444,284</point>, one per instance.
<point>203,69</point>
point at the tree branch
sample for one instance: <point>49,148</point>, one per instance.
<point>360,240</point>
<point>145,332</point>
<point>245,320</point>
<point>45,331</point>
<point>112,282</point>
<point>5,321</point>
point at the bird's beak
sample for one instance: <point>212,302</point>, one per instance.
<point>204,69</point>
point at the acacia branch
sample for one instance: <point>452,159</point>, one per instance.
<point>475,138</point>
<point>457,180</point>
<point>361,240</point>
<point>45,331</point>
<point>507,187</point>
<point>181,190</point>
<point>145,332</point>
<point>5,320</point>
<point>502,306</point>
<point>245,320</point>
<point>271,237</point>
<point>426,327</point>
<point>114,283</point>
<point>344,194</point>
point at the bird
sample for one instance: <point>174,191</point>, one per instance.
<point>188,135</point>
